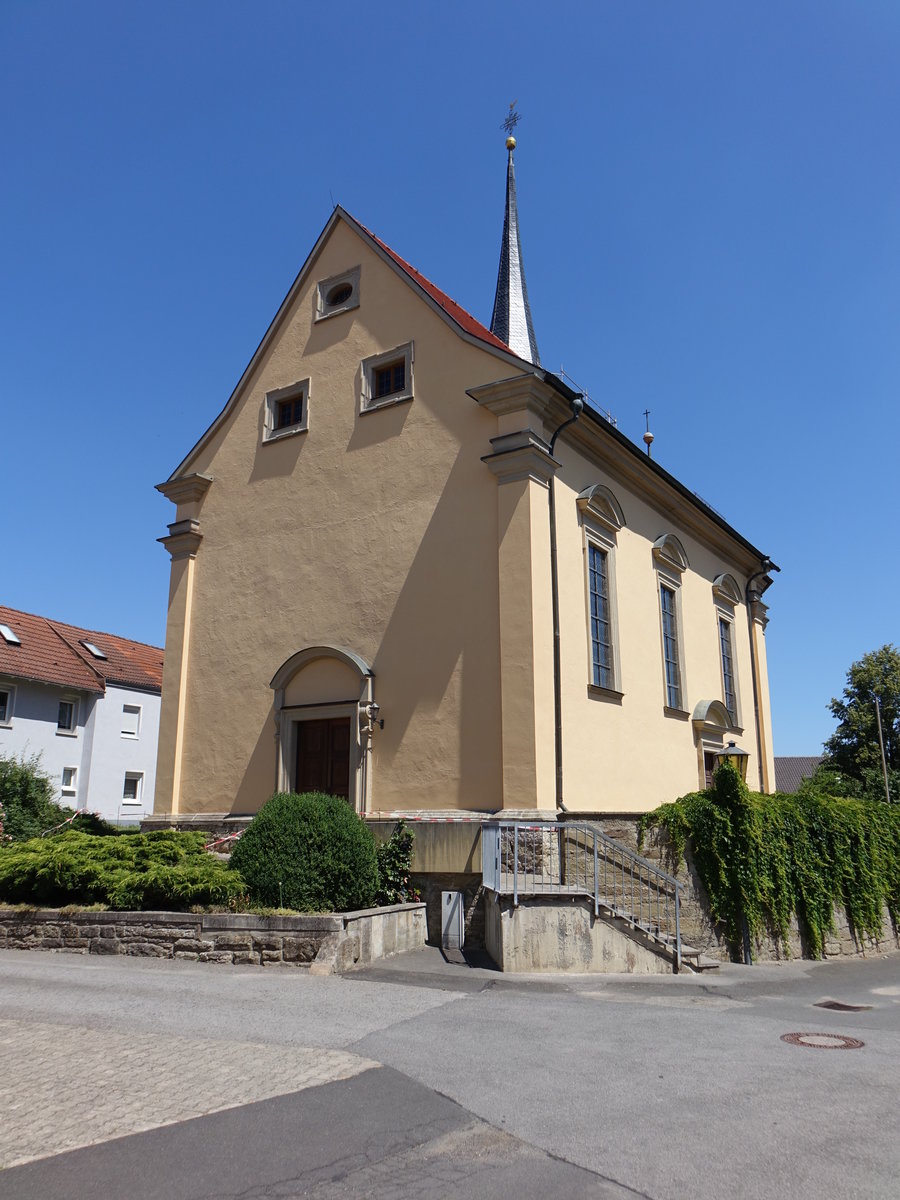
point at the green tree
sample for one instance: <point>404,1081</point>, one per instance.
<point>853,750</point>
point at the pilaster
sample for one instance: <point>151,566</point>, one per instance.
<point>183,543</point>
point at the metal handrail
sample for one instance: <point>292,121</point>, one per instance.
<point>545,858</point>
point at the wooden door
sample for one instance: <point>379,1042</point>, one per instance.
<point>323,757</point>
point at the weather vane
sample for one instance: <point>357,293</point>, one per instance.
<point>512,119</point>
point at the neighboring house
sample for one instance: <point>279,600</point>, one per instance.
<point>88,704</point>
<point>791,772</point>
<point>362,585</point>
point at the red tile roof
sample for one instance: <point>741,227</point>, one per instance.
<point>456,312</point>
<point>52,652</point>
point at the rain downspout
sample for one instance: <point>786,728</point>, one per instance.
<point>577,403</point>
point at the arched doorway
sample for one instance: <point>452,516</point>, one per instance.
<point>323,698</point>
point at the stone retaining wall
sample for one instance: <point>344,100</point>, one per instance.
<point>326,944</point>
<point>699,930</point>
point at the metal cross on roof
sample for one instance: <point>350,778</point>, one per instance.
<point>512,119</point>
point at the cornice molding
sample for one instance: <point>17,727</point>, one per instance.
<point>186,489</point>
<point>184,538</point>
<point>598,503</point>
<point>521,455</point>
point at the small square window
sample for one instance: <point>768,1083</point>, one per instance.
<point>67,716</point>
<point>388,378</point>
<point>287,411</point>
<point>133,787</point>
<point>9,637</point>
<point>94,650</point>
<point>337,294</point>
<point>69,776</point>
<point>6,703</point>
<point>131,720</point>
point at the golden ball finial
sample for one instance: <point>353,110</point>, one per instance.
<point>510,143</point>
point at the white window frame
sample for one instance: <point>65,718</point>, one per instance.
<point>601,519</point>
<point>326,287</point>
<point>726,617</point>
<point>70,788</point>
<point>293,391</point>
<point>368,367</point>
<point>137,710</point>
<point>138,777</point>
<point>68,730</point>
<point>673,584</point>
<point>7,720</point>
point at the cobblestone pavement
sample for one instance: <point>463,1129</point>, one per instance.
<point>84,1086</point>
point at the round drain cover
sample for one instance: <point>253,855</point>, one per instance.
<point>822,1041</point>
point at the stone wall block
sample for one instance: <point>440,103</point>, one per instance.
<point>190,946</point>
<point>217,956</point>
<point>300,949</point>
<point>105,945</point>
<point>233,941</point>
<point>267,957</point>
<point>267,941</point>
<point>147,950</point>
<point>246,956</point>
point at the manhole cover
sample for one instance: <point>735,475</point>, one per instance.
<point>822,1041</point>
<point>840,1006</point>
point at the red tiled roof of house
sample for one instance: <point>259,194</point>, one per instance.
<point>463,319</point>
<point>52,652</point>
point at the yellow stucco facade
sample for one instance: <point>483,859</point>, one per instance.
<point>389,562</point>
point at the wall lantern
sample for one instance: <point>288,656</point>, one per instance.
<point>369,717</point>
<point>735,756</point>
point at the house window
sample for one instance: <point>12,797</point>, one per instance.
<point>388,378</point>
<point>69,775</point>
<point>67,716</point>
<point>131,720</point>
<point>727,652</point>
<point>9,637</point>
<point>133,787</point>
<point>94,650</point>
<point>6,705</point>
<point>601,621</point>
<point>337,294</point>
<point>286,411</point>
<point>668,606</point>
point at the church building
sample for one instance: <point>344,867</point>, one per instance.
<point>412,567</point>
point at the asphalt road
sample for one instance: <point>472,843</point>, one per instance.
<point>148,1079</point>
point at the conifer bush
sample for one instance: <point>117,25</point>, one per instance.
<point>310,852</point>
<point>159,870</point>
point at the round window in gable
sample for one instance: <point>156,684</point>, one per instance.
<point>339,294</point>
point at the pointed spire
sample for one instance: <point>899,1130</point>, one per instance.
<point>511,319</point>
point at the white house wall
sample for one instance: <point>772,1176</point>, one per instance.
<point>96,748</point>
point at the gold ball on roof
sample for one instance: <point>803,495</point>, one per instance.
<point>510,143</point>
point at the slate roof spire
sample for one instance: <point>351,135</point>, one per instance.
<point>511,319</point>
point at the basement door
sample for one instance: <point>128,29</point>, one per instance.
<point>323,757</point>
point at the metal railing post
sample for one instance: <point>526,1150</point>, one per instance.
<point>515,834</point>
<point>596,881</point>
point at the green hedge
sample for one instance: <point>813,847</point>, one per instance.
<point>767,859</point>
<point>310,852</point>
<point>160,870</point>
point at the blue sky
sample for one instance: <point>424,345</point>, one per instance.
<point>709,196</point>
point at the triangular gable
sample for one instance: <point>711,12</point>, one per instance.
<point>462,322</point>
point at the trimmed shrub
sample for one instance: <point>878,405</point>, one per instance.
<point>160,870</point>
<point>310,852</point>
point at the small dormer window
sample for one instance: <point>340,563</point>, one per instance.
<point>286,411</point>
<point>338,294</point>
<point>9,637</point>
<point>94,650</point>
<point>387,378</point>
